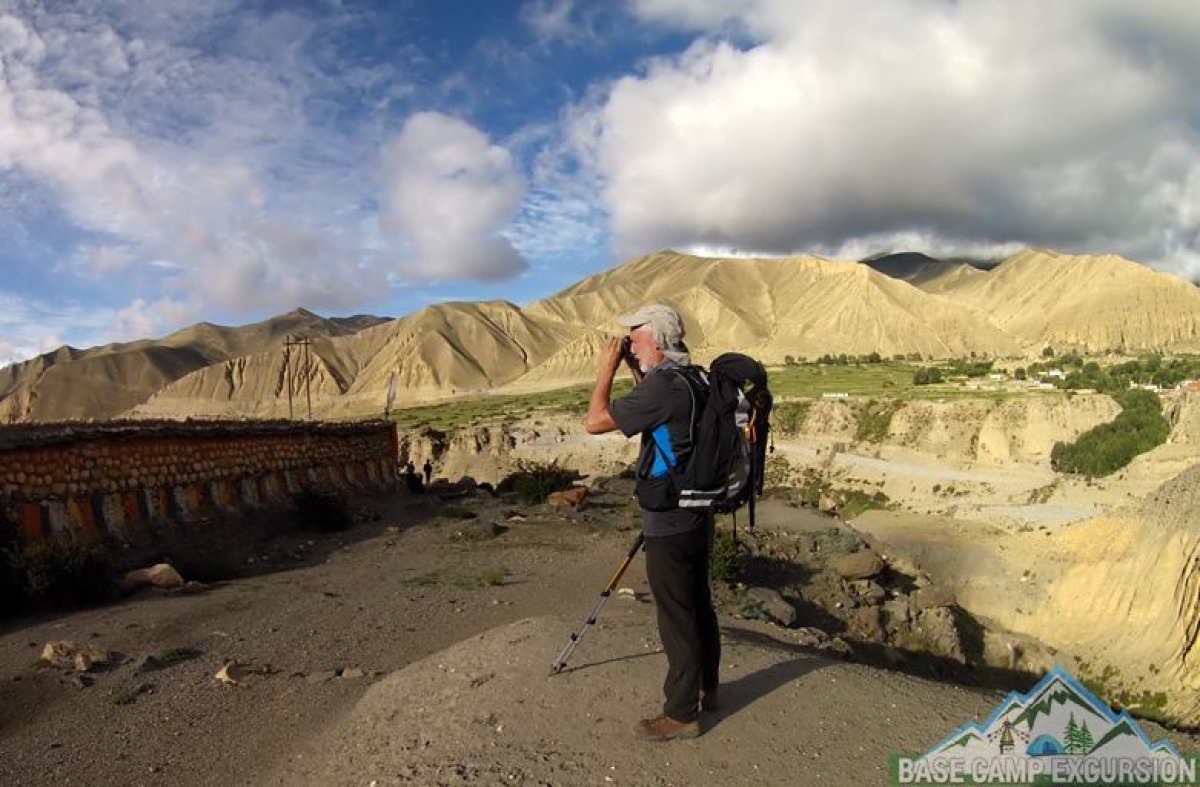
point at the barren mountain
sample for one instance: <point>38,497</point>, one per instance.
<point>1088,302</point>
<point>103,382</point>
<point>804,306</point>
<point>800,306</point>
<point>920,270</point>
<point>439,351</point>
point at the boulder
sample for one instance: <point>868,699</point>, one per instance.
<point>773,605</point>
<point>162,575</point>
<point>570,498</point>
<point>864,564</point>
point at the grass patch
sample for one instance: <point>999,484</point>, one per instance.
<point>428,579</point>
<point>172,656</point>
<point>489,409</point>
<point>875,419</point>
<point>858,501</point>
<point>788,417</point>
<point>1107,685</point>
<point>812,380</point>
<point>123,698</point>
<point>485,578</point>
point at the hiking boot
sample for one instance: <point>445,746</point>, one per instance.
<point>664,728</point>
<point>709,701</point>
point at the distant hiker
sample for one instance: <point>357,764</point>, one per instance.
<point>662,408</point>
<point>411,480</point>
<point>428,469</point>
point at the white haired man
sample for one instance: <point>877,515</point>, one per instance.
<point>662,407</point>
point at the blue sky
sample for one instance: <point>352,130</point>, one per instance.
<point>164,162</point>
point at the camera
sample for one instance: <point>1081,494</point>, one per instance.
<point>627,348</point>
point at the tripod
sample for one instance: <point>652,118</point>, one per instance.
<point>577,634</point>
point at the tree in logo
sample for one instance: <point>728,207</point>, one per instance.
<point>1078,739</point>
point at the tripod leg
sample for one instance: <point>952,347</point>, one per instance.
<point>591,618</point>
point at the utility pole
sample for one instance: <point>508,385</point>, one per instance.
<point>287,367</point>
<point>305,342</point>
<point>391,396</point>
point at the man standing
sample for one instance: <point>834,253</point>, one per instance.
<point>427,468</point>
<point>662,407</point>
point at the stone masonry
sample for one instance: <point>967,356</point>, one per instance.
<point>111,481</point>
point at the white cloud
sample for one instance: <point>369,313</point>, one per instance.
<point>793,125</point>
<point>141,319</point>
<point>29,328</point>
<point>183,161</point>
<point>549,19</point>
<point>448,192</point>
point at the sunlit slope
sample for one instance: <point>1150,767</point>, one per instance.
<point>103,382</point>
<point>1088,302</point>
<point>800,306</point>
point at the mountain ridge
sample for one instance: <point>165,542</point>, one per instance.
<point>773,308</point>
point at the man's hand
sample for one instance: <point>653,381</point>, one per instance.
<point>598,420</point>
<point>612,354</point>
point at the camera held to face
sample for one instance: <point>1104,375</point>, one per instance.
<point>627,348</point>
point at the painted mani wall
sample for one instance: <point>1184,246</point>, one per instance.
<point>115,481</point>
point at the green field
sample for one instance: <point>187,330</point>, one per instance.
<point>500,408</point>
<point>888,380</point>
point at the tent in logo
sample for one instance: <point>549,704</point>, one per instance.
<point>1045,746</point>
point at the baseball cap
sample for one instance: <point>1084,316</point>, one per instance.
<point>666,322</point>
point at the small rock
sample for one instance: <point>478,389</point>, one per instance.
<point>351,674</point>
<point>232,674</point>
<point>70,655</point>
<point>863,564</point>
<point>321,677</point>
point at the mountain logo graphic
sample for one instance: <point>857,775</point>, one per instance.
<point>1056,733</point>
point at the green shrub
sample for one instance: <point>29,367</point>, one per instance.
<point>875,419</point>
<point>725,562</point>
<point>61,573</point>
<point>858,501</point>
<point>788,417</point>
<point>12,579</point>
<point>778,471</point>
<point>1138,428</point>
<point>322,512</point>
<point>534,481</point>
<point>928,375</point>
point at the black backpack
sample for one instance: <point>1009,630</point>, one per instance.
<point>730,423</point>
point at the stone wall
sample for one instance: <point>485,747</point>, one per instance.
<point>114,481</point>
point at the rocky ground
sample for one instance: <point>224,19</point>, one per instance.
<point>416,649</point>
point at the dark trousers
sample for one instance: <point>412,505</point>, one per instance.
<point>677,567</point>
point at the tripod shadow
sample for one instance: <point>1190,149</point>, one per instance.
<point>742,692</point>
<point>615,659</point>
